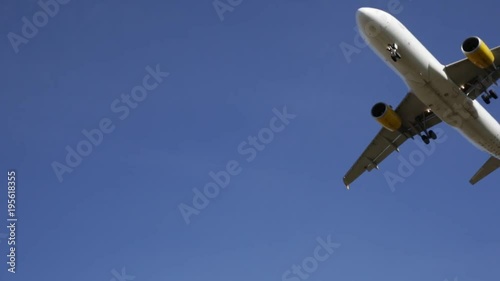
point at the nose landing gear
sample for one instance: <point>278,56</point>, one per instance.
<point>393,50</point>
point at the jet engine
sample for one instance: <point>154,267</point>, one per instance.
<point>386,116</point>
<point>478,52</point>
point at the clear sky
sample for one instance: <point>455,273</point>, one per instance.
<point>205,82</point>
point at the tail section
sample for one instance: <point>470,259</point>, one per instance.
<point>491,165</point>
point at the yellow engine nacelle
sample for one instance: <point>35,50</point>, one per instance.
<point>478,52</point>
<point>386,116</point>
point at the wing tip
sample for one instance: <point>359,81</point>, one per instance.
<point>347,183</point>
<point>489,167</point>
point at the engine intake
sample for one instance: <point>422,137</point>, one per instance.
<point>386,116</point>
<point>478,52</point>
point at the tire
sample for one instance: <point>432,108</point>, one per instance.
<point>425,139</point>
<point>493,94</point>
<point>486,99</point>
<point>432,135</point>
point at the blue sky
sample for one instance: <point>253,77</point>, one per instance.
<point>119,207</point>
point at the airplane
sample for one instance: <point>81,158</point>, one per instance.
<point>437,93</point>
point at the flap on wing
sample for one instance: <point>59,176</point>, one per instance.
<point>490,166</point>
<point>381,146</point>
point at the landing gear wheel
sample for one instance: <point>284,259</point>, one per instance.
<point>421,127</point>
<point>432,135</point>
<point>393,49</point>
<point>486,99</point>
<point>493,94</point>
<point>395,56</point>
<point>425,139</point>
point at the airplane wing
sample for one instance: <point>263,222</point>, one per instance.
<point>473,79</point>
<point>385,142</point>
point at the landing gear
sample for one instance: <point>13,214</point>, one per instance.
<point>395,57</point>
<point>426,135</point>
<point>486,99</point>
<point>393,49</point>
<point>493,94</point>
<point>487,96</point>
<point>432,135</point>
<point>426,138</point>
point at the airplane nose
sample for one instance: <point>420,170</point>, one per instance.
<point>369,21</point>
<point>363,11</point>
<point>365,15</point>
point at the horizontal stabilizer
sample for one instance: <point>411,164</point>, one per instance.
<point>491,165</point>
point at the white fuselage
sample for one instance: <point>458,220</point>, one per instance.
<point>426,78</point>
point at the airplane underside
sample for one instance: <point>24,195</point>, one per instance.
<point>445,93</point>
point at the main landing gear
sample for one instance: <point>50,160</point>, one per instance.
<point>426,138</point>
<point>426,135</point>
<point>488,95</point>
<point>393,49</point>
